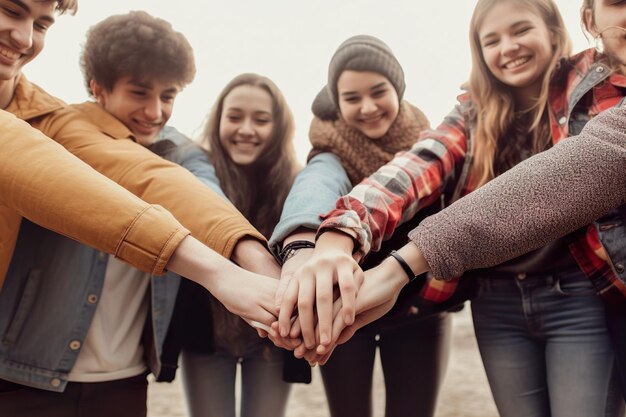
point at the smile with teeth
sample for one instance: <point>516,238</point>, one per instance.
<point>245,144</point>
<point>147,125</point>
<point>372,119</point>
<point>516,62</point>
<point>9,53</point>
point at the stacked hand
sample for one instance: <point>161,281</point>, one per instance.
<point>333,297</point>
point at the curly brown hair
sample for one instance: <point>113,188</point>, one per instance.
<point>258,191</point>
<point>138,45</point>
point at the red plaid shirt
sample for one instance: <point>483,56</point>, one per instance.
<point>438,163</point>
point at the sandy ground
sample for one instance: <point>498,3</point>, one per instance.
<point>465,392</point>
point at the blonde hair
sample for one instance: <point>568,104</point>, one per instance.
<point>260,189</point>
<point>493,101</point>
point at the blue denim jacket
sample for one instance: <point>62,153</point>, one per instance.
<point>323,177</point>
<point>52,290</point>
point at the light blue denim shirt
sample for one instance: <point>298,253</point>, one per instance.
<point>313,193</point>
<point>53,286</point>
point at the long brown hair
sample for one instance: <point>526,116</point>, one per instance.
<point>260,189</point>
<point>493,101</point>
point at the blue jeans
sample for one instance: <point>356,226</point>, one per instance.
<point>209,382</point>
<point>545,346</point>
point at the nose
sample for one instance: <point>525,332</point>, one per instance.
<point>509,46</point>
<point>153,110</point>
<point>368,106</point>
<point>22,35</point>
<point>246,128</point>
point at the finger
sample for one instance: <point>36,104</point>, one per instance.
<point>359,278</point>
<point>296,328</point>
<point>281,342</point>
<point>306,315</point>
<point>338,325</point>
<point>347,333</point>
<point>290,298</point>
<point>324,359</point>
<point>347,287</point>
<point>285,278</point>
<point>260,319</point>
<point>324,304</point>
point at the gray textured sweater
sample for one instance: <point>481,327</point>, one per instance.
<point>539,200</point>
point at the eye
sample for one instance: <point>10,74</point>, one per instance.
<point>138,93</point>
<point>523,30</point>
<point>168,98</point>
<point>351,99</point>
<point>233,118</point>
<point>11,11</point>
<point>262,121</point>
<point>379,93</point>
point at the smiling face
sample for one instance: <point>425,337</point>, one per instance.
<point>607,19</point>
<point>367,102</point>
<point>246,123</point>
<point>517,47</point>
<point>144,107</point>
<point>23,26</point>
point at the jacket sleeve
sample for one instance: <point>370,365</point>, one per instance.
<point>411,181</point>
<point>537,201</point>
<point>209,217</point>
<point>43,182</point>
<point>325,180</point>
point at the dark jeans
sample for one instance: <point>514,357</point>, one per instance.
<point>414,358</point>
<point>121,398</point>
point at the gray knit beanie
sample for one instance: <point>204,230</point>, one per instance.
<point>358,53</point>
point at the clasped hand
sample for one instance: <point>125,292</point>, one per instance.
<point>324,298</point>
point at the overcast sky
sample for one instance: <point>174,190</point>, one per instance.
<point>291,42</point>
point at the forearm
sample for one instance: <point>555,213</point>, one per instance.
<point>541,199</point>
<point>253,256</point>
<point>413,180</point>
<point>46,184</point>
<point>210,218</point>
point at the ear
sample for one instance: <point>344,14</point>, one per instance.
<point>590,24</point>
<point>98,91</point>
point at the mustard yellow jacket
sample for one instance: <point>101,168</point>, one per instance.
<point>53,189</point>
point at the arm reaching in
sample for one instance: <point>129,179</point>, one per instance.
<point>543,198</point>
<point>243,293</point>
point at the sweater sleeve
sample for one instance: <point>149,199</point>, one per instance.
<point>541,199</point>
<point>43,182</point>
<point>398,190</point>
<point>210,218</point>
<point>313,193</point>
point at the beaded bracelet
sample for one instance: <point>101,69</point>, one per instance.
<point>291,248</point>
<point>405,266</point>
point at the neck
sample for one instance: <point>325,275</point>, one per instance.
<point>526,98</point>
<point>7,91</point>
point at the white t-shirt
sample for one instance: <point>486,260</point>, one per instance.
<point>112,349</point>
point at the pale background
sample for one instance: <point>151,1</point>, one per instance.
<point>291,42</point>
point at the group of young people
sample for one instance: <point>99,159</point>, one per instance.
<point>103,208</point>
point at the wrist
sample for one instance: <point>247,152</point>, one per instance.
<point>404,265</point>
<point>293,247</point>
<point>335,240</point>
<point>252,255</point>
<point>394,273</point>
